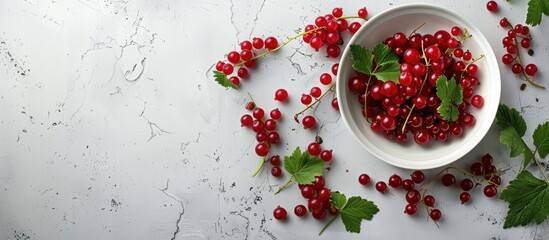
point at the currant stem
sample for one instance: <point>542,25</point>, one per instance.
<point>468,64</point>
<point>417,28</point>
<point>328,224</point>
<point>285,185</point>
<point>365,98</point>
<point>260,166</point>
<point>349,17</point>
<point>539,166</point>
<point>315,102</point>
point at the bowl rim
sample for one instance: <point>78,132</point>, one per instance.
<point>491,111</point>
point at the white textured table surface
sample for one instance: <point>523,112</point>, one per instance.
<point>111,126</point>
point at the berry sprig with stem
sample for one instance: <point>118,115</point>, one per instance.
<point>511,44</point>
<point>327,29</point>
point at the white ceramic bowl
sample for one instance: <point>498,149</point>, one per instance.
<point>404,19</point>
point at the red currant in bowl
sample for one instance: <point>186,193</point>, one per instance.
<point>401,124</point>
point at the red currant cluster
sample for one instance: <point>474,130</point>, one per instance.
<point>246,58</point>
<point>479,172</point>
<point>327,30</point>
<point>266,134</point>
<point>318,201</point>
<point>309,121</point>
<point>411,105</point>
<point>516,34</point>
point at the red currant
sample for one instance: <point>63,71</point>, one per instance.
<point>448,179</point>
<point>417,176</point>
<point>246,120</point>
<point>300,210</point>
<point>429,200</point>
<point>531,69</point>
<point>464,197</point>
<point>363,13</point>
<point>271,43</point>
<point>364,179</point>
<point>275,114</point>
<point>314,149</point>
<point>326,155</point>
<point>280,213</point>
<point>395,181</point>
<point>258,43</point>
<point>466,184</point>
<point>276,171</point>
<point>262,149</point>
<point>435,214</point>
<point>410,209</point>
<point>413,197</point>
<point>492,6</point>
<point>381,186</point>
<point>275,160</point>
<point>490,190</point>
<point>306,99</point>
<point>309,122</point>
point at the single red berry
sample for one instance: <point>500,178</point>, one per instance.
<point>246,120</point>
<point>281,95</point>
<point>467,55</point>
<point>308,122</point>
<point>395,181</point>
<point>243,73</point>
<point>321,21</point>
<point>219,66</point>
<point>233,57</point>
<point>325,79</point>
<point>487,159</point>
<point>495,180</point>
<point>466,184</point>
<point>258,43</point>
<point>300,210</point>
<point>258,126</point>
<point>448,179</point>
<point>507,59</point>
<point>464,197</point>
<point>228,68</point>
<point>364,179</point>
<point>417,176</point>
<point>246,45</point>
<point>525,43</point>
<point>335,67</point>
<point>271,43</point>
<point>490,190</point>
<point>353,28</point>
<point>413,197</point>
<point>492,6</point>
<point>477,101</point>
<point>337,12</point>
<point>333,51</point>
<point>516,68</point>
<point>319,215</point>
<point>276,171</point>
<point>306,99</point>
<point>531,69</point>
<point>273,137</point>
<point>381,186</point>
<point>435,214</point>
<point>258,113</point>
<point>280,213</point>
<point>270,124</point>
<point>429,200</point>
<point>320,182</point>
<point>326,155</point>
<point>315,204</point>
<point>363,13</point>
<point>235,80</point>
<point>275,160</point>
<point>324,194</point>
<point>408,185</point>
<point>456,31</point>
<point>261,149</point>
<point>477,169</point>
<point>335,104</point>
<point>275,114</point>
<point>315,92</point>
<point>503,22</point>
<point>261,137</point>
<point>314,149</point>
<point>308,192</point>
<point>410,209</point>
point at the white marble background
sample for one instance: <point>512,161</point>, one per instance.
<point>111,126</point>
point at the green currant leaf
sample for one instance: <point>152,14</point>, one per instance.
<point>384,55</point>
<point>222,79</point>
<point>354,211</point>
<point>449,90</point>
<point>541,139</point>
<point>362,59</point>
<point>303,167</point>
<point>511,138</point>
<point>448,111</point>
<point>510,117</point>
<point>338,199</point>
<point>528,199</point>
<point>388,72</point>
<point>535,10</point>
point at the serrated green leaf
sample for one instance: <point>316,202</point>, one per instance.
<point>528,199</point>
<point>449,90</point>
<point>222,79</point>
<point>303,167</point>
<point>511,138</point>
<point>338,199</point>
<point>510,117</point>
<point>448,111</point>
<point>354,211</point>
<point>384,55</point>
<point>541,139</point>
<point>388,72</point>
<point>535,10</point>
<point>362,59</point>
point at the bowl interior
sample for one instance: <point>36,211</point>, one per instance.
<point>405,19</point>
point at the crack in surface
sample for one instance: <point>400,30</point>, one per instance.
<point>177,228</point>
<point>256,18</point>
